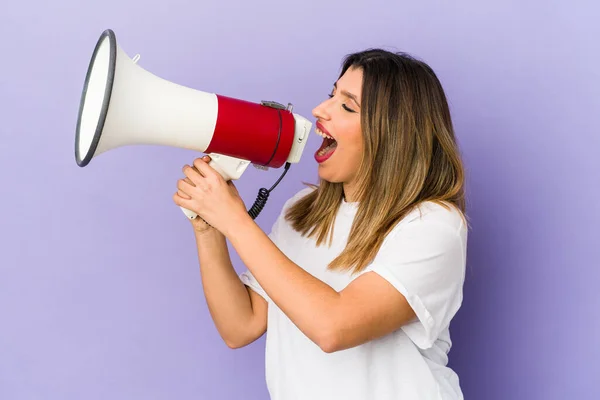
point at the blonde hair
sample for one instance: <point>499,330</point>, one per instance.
<point>410,156</point>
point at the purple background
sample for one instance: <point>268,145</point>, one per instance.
<point>100,295</point>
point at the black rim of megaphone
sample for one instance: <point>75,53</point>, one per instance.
<point>105,102</point>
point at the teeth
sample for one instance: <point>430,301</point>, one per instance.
<point>327,149</point>
<point>320,133</point>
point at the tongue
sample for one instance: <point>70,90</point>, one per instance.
<point>327,146</point>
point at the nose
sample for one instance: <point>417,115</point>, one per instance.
<point>321,111</point>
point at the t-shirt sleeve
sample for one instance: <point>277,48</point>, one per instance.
<point>249,280</point>
<point>425,261</point>
<point>276,237</point>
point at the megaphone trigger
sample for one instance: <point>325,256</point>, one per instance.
<point>230,168</point>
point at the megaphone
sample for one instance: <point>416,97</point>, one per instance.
<point>123,104</point>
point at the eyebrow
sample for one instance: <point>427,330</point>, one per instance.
<point>348,94</point>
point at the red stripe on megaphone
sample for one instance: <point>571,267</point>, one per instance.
<point>251,131</point>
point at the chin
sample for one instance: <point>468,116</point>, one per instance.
<point>328,176</point>
<point>324,176</point>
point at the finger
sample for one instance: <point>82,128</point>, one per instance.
<point>183,195</point>
<point>194,166</point>
<point>183,202</point>
<point>185,187</point>
<point>180,201</point>
<point>193,174</point>
<point>205,169</point>
<point>206,158</point>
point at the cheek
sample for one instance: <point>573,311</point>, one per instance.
<point>353,150</point>
<point>350,141</point>
<point>355,141</point>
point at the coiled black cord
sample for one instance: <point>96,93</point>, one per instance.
<point>263,195</point>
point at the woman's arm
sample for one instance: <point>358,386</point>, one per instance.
<point>366,309</point>
<point>239,314</point>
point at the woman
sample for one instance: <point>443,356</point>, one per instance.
<point>361,275</point>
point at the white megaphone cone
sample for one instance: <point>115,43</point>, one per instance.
<point>123,104</point>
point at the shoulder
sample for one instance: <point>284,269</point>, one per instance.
<point>281,219</point>
<point>431,213</point>
<point>430,239</point>
<point>281,227</point>
<point>297,196</point>
<point>432,223</point>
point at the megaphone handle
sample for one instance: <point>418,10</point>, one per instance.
<point>230,168</point>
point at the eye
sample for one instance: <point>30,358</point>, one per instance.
<point>345,107</point>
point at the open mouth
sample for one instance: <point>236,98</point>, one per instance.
<point>327,147</point>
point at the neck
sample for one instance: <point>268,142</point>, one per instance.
<point>349,192</point>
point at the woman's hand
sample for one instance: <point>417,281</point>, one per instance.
<point>199,225</point>
<point>205,192</point>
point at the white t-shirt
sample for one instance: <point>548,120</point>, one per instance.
<point>424,258</point>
